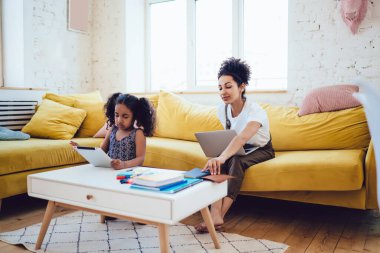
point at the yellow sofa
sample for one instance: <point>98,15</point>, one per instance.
<point>324,158</point>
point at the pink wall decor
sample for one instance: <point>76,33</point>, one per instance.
<point>78,15</point>
<point>353,13</point>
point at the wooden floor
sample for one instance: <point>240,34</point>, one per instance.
<point>304,227</point>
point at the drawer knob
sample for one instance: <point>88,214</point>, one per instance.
<point>89,196</point>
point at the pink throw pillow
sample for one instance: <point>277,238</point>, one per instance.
<point>329,98</point>
<point>101,132</point>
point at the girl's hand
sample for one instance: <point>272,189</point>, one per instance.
<point>213,165</point>
<point>74,144</point>
<point>117,164</point>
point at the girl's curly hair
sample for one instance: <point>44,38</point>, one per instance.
<point>109,109</point>
<point>143,111</point>
<point>238,69</point>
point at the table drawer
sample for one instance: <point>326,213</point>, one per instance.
<point>118,202</point>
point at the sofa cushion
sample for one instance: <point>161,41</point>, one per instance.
<point>94,120</point>
<point>153,98</point>
<point>102,132</point>
<point>8,135</point>
<point>345,129</point>
<point>313,170</point>
<point>329,98</point>
<point>17,156</point>
<point>178,118</point>
<point>69,100</point>
<point>173,154</point>
<point>54,121</point>
<point>91,102</point>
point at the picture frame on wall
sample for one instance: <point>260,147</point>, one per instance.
<point>77,13</point>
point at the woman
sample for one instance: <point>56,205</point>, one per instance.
<point>250,122</point>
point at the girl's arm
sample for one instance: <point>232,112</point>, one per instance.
<point>106,142</point>
<point>140,151</point>
<point>236,143</point>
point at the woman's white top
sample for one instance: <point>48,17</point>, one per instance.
<point>251,112</point>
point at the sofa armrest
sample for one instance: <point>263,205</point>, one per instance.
<point>370,178</point>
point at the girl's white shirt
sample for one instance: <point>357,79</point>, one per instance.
<point>251,112</point>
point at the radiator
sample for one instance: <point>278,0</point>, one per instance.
<point>16,114</point>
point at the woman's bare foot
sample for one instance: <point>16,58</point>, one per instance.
<point>201,228</point>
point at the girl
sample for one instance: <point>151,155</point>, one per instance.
<point>130,120</point>
<point>251,124</point>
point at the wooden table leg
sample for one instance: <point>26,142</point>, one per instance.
<point>164,238</point>
<point>45,223</point>
<point>102,218</point>
<point>210,226</point>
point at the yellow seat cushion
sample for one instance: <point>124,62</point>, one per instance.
<point>173,154</point>
<point>94,120</point>
<point>54,121</point>
<point>339,170</point>
<point>69,100</point>
<point>313,170</point>
<point>345,129</point>
<point>178,118</point>
<point>17,156</point>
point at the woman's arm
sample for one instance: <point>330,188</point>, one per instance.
<point>140,151</point>
<point>237,142</point>
<point>106,142</point>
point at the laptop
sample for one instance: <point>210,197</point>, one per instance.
<point>94,156</point>
<point>213,143</point>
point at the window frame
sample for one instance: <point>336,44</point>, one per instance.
<point>237,45</point>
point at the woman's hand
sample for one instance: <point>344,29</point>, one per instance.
<point>117,164</point>
<point>74,144</point>
<point>213,165</point>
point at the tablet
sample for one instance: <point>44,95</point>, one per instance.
<point>94,156</point>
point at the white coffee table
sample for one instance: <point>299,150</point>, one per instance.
<point>96,190</point>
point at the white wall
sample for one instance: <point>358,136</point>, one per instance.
<point>50,56</point>
<point>13,46</point>
<point>108,46</point>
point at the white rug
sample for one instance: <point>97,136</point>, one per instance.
<point>82,232</point>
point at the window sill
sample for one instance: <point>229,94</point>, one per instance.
<point>212,92</point>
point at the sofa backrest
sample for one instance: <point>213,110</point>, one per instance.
<point>345,129</point>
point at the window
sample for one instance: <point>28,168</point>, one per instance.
<point>213,38</point>
<point>168,45</point>
<point>189,39</point>
<point>266,42</point>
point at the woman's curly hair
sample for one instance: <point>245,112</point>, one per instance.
<point>238,69</point>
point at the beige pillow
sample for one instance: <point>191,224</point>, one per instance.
<point>54,121</point>
<point>102,132</point>
<point>178,118</point>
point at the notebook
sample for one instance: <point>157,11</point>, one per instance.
<point>94,156</point>
<point>213,143</point>
<point>174,188</point>
<point>158,178</point>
